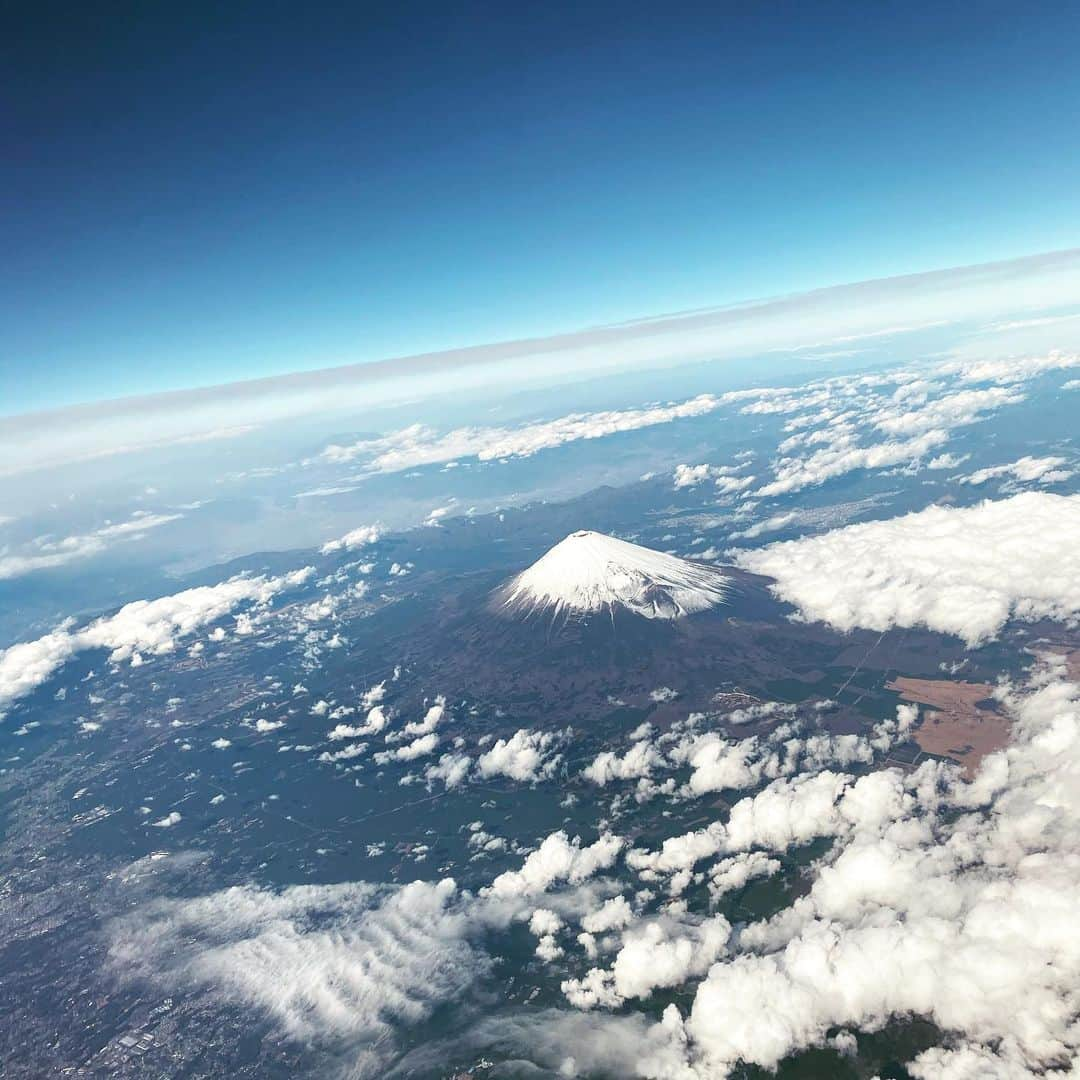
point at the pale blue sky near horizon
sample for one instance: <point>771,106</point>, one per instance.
<point>199,197</point>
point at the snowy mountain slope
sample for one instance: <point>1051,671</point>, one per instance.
<point>590,572</point>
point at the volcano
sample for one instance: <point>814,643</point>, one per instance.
<point>589,572</point>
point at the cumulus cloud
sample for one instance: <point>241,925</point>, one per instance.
<point>773,523</point>
<point>545,924</point>
<point>663,694</point>
<point>961,918</point>
<point>734,872</point>
<point>638,762</point>
<point>1026,470</point>
<point>432,719</point>
<point>659,952</point>
<point>614,914</point>
<point>717,763</point>
<point>418,748</point>
<point>949,411</point>
<point>357,538</point>
<point>527,756</point>
<point>143,627</point>
<point>557,859</point>
<point>845,455</point>
<point>346,753</point>
<point>1010,370</point>
<point>939,898</point>
<point>725,478</point>
<point>840,422</point>
<point>962,571</point>
<point>452,770</point>
<point>373,695</point>
<point>678,855</point>
<point>374,723</point>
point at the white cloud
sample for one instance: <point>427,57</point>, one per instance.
<point>947,461</point>
<point>939,898</point>
<point>418,445</point>
<point>961,571</point>
<point>86,438</point>
<point>839,420</point>
<point>1026,470</point>
<point>614,914</point>
<point>656,953</point>
<point>341,965</point>
<point>436,515</point>
<point>452,770</point>
<point>688,476</point>
<point>569,1043</point>
<point>434,716</point>
<point>346,753</point>
<point>1010,370</point>
<point>962,918</point>
<point>638,762</point>
<point>545,924</point>
<point>1020,324</point>
<point>527,756</point>
<point>141,627</point>
<point>374,723</point>
<point>734,872</point>
<point>418,748</point>
<point>773,523</point>
<point>844,456</point>
<point>373,695</point>
<point>45,552</point>
<point>679,852</point>
<point>724,477</point>
<point>847,313</point>
<point>557,859</point>
<point>663,694</point>
<point>357,538</point>
<point>949,411</point>
<point>717,763</point>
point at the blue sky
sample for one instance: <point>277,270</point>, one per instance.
<point>194,197</point>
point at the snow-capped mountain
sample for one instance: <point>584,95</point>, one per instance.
<point>590,572</point>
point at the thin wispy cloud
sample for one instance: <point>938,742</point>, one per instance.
<point>867,311</point>
<point>47,552</point>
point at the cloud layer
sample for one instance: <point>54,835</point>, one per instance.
<point>332,964</point>
<point>959,571</point>
<point>418,445</point>
<point>143,626</point>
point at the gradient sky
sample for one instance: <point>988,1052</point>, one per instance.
<point>194,194</point>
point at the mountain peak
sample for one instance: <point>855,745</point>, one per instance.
<point>590,572</point>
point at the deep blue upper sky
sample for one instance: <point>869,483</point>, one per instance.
<point>198,193</point>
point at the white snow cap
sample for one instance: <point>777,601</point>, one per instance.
<point>590,572</point>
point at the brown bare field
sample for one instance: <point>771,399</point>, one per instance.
<point>955,725</point>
